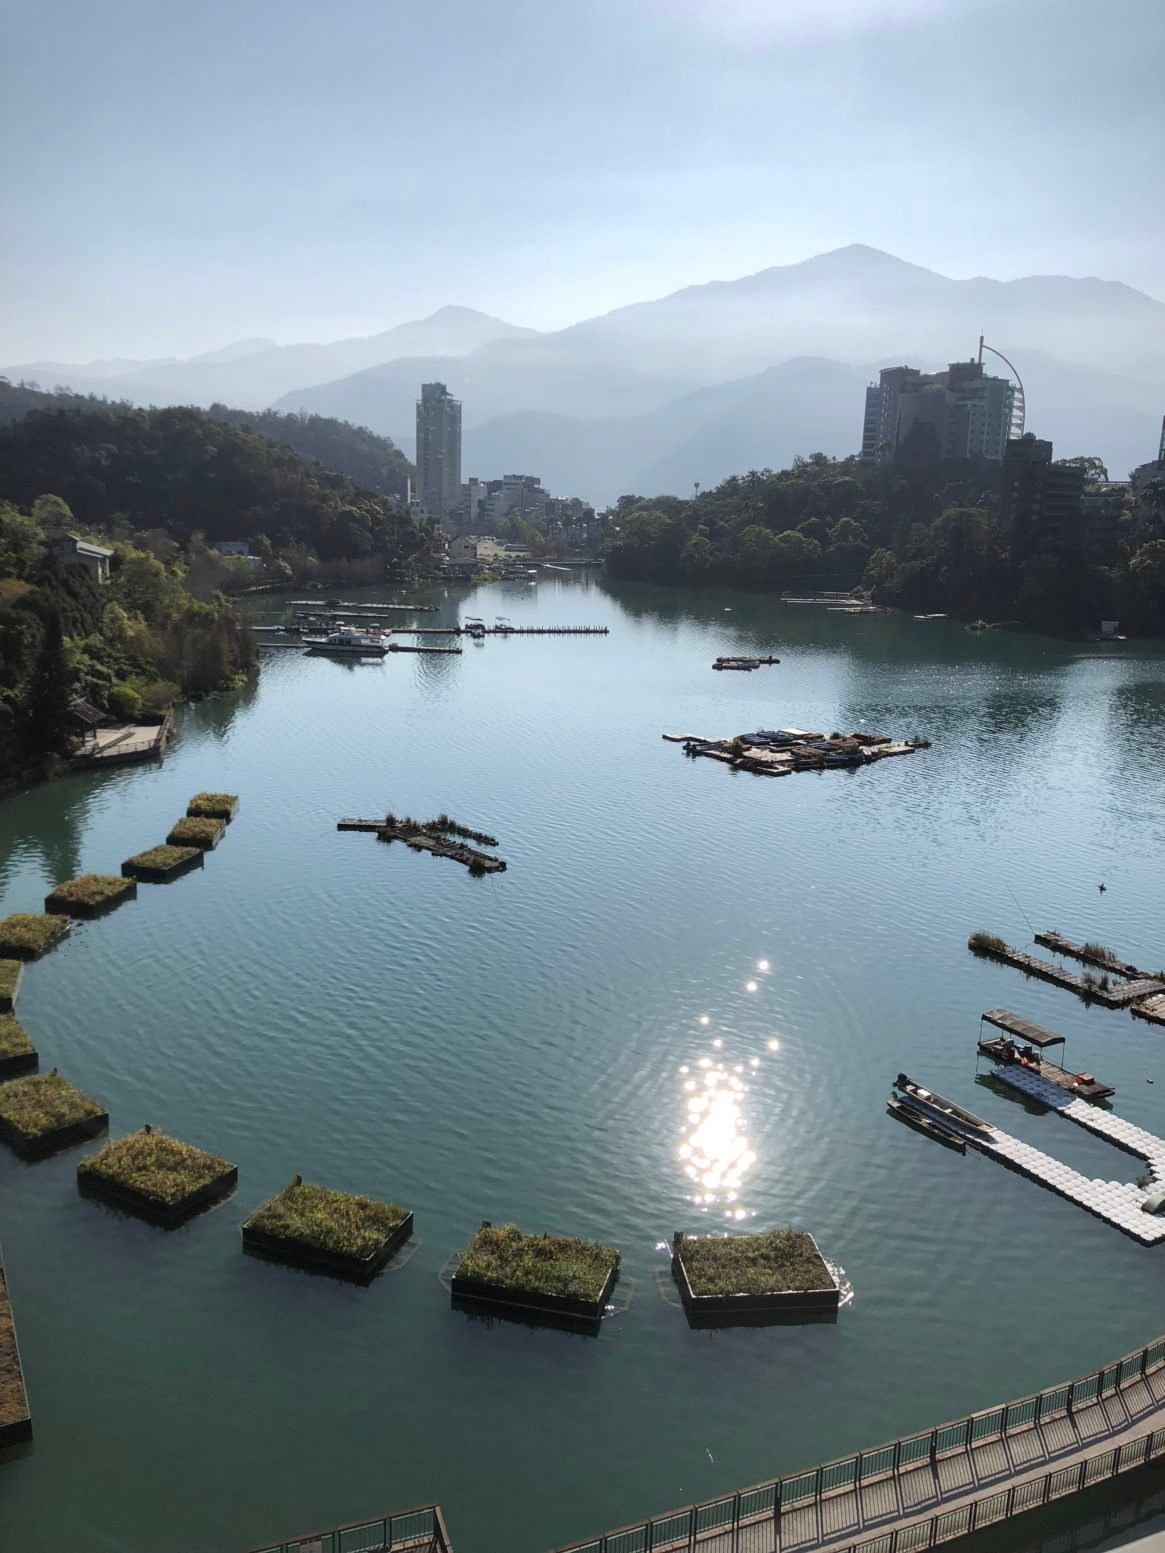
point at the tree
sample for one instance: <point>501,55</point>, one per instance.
<point>48,718</point>
<point>1092,467</point>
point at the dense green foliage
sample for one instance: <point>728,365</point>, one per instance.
<point>778,1261</point>
<point>155,1166</point>
<point>918,533</point>
<point>330,1221</point>
<point>129,647</point>
<point>542,1264</point>
<point>180,470</point>
<point>20,399</point>
<point>374,462</point>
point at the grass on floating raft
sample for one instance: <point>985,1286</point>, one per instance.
<point>330,1221</point>
<point>213,806</point>
<point>1100,952</point>
<point>162,857</point>
<point>769,1263</point>
<point>549,1264</point>
<point>9,977</point>
<point>194,832</point>
<point>155,1165</point>
<point>43,1103</point>
<point>14,1041</point>
<point>13,1400</point>
<point>91,891</point>
<point>987,943</point>
<point>27,933</point>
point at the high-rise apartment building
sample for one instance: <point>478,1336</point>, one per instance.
<point>438,451</point>
<point>966,412</point>
<point>1040,503</point>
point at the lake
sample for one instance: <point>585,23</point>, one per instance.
<point>534,1047</point>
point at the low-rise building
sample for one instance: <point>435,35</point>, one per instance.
<point>71,550</point>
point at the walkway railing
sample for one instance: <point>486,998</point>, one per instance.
<point>697,1523</point>
<point>418,1531</point>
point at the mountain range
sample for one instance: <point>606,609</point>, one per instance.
<point>708,381</point>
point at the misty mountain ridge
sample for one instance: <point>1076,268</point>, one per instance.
<point>717,376</point>
<point>252,374</point>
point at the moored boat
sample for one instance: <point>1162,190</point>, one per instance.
<point>943,1110</point>
<point>348,641</point>
<point>928,1125</point>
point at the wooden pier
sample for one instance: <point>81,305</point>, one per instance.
<point>433,836</point>
<point>1089,954</point>
<point>781,751</point>
<point>1145,993</point>
<point>915,1493</point>
<point>743,665</point>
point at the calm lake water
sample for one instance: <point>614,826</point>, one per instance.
<point>529,1047</point>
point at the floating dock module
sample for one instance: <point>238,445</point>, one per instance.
<point>1116,994</point>
<point>15,1423</point>
<point>1003,1050</point>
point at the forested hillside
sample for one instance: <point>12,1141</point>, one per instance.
<point>183,471</point>
<point>918,534</point>
<point>130,647</point>
<point>371,461</point>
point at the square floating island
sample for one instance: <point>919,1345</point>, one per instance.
<point>157,1176</point>
<point>158,865</point>
<point>17,1053</point>
<point>536,1277</point>
<point>43,1113</point>
<point>213,806</point>
<point>15,1423</point>
<point>326,1231</point>
<point>750,1278</point>
<point>89,895</point>
<point>191,831</point>
<point>27,935</point>
<point>11,972</point>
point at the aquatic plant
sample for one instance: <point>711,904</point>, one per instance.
<point>43,1103</point>
<point>192,831</point>
<point>986,943</point>
<point>10,973</point>
<point>545,1264</point>
<point>89,892</point>
<point>27,934</point>
<point>214,806</point>
<point>771,1262</point>
<point>14,1041</point>
<point>151,1164</point>
<point>1100,952</point>
<point>338,1222</point>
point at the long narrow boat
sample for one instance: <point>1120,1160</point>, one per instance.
<point>945,1111</point>
<point>928,1125</point>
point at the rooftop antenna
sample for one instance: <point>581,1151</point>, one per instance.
<point>1018,406</point>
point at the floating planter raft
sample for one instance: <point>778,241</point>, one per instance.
<point>536,1277</point>
<point>335,1232</point>
<point>779,751</point>
<point>156,1176</point>
<point>17,1053</point>
<point>744,665</point>
<point>15,1422</point>
<point>433,836</point>
<point>159,865</point>
<point>193,831</point>
<point>213,806</point>
<point>11,972</point>
<point>27,935</point>
<point>43,1113</point>
<point>726,1278</point>
<point>89,895</point>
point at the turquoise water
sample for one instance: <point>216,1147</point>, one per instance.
<point>518,1047</point>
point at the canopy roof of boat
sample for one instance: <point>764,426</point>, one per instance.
<point>1035,1035</point>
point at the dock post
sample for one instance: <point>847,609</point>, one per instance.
<point>691,1528</point>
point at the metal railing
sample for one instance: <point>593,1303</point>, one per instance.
<point>417,1531</point>
<point>698,1523</point>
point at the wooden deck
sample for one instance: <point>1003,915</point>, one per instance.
<point>993,1470</point>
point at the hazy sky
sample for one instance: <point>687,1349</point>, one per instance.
<point>175,176</point>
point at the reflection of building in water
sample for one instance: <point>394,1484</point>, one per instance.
<point>715,1152</point>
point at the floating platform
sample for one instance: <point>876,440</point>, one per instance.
<point>744,665</point>
<point>780,751</point>
<point>1088,954</point>
<point>15,1422</point>
<point>433,837</point>
<point>1118,994</point>
<point>1003,1050</point>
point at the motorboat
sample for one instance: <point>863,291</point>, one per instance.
<point>351,642</point>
